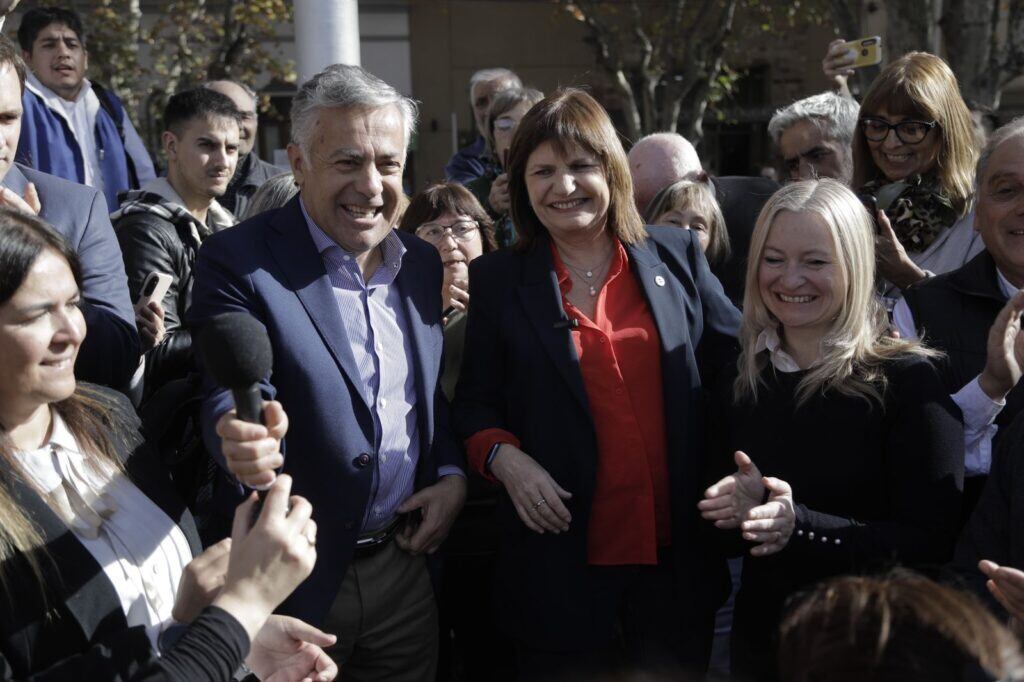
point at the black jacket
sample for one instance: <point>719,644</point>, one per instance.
<point>252,172</point>
<point>159,236</point>
<point>741,199</point>
<point>953,313</point>
<point>520,372</point>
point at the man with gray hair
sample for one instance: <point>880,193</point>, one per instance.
<point>814,137</point>
<point>471,162</point>
<point>972,313</point>
<point>353,311</point>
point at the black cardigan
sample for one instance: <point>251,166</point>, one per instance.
<point>79,631</point>
<point>873,486</point>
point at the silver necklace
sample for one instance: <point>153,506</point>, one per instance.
<point>590,275</point>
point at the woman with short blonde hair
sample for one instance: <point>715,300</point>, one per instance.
<point>860,446</point>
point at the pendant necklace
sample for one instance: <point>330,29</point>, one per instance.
<point>591,275</point>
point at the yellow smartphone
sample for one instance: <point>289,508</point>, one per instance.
<point>868,50</point>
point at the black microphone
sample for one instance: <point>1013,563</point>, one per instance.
<point>236,350</point>
<point>567,324</point>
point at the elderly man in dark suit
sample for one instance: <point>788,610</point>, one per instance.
<point>111,350</point>
<point>353,311</point>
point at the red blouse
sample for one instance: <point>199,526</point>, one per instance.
<point>620,360</point>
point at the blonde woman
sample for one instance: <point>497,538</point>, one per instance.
<point>914,151</point>
<point>858,448</point>
<point>691,205</point>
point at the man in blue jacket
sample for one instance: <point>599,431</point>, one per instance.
<point>73,128</point>
<point>353,308</point>
<point>110,353</point>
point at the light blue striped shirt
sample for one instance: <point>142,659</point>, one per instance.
<point>374,319</point>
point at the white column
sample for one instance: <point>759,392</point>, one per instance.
<point>326,32</point>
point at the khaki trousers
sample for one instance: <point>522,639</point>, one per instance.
<point>385,618</point>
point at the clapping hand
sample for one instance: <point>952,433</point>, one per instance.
<point>735,502</point>
<point>1006,585</point>
<point>1005,351</point>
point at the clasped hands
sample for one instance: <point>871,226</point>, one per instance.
<point>735,502</point>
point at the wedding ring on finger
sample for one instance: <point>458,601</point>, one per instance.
<point>539,502</point>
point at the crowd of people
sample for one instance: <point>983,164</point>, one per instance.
<point>583,411</point>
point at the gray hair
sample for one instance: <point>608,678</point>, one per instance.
<point>343,86</point>
<point>1014,128</point>
<point>487,75</point>
<point>274,193</point>
<point>834,115</point>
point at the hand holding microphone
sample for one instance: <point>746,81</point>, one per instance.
<point>236,351</point>
<point>253,451</point>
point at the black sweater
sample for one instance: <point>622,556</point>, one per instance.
<point>873,485</point>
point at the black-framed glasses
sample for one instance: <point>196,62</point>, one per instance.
<point>908,132</point>
<point>462,230</point>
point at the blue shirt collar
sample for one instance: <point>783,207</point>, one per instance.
<point>392,249</point>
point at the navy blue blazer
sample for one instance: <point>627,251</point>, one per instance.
<point>269,267</point>
<point>110,352</point>
<point>520,372</point>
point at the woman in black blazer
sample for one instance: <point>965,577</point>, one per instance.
<point>580,395</point>
<point>859,445</point>
<point>95,548</point>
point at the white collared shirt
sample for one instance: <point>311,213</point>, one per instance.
<point>141,550</point>
<point>769,340</point>
<point>979,411</point>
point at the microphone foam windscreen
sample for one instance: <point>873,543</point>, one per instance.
<point>235,349</point>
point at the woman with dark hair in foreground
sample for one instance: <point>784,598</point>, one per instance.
<point>96,565</point>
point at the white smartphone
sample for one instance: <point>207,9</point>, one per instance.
<point>154,288</point>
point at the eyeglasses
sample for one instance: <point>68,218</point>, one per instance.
<point>908,132</point>
<point>505,124</point>
<point>462,230</point>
